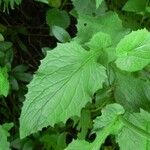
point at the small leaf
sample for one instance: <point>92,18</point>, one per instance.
<point>61,34</point>
<point>109,114</point>
<point>56,17</point>
<point>4,83</point>
<point>1,37</point>
<point>99,40</point>
<point>133,51</point>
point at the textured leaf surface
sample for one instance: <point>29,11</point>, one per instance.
<point>4,144</point>
<point>109,114</point>
<point>4,83</point>
<point>133,51</point>
<point>64,83</point>
<point>128,139</point>
<point>99,40</point>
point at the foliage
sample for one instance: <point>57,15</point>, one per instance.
<point>4,134</point>
<point>91,89</point>
<point>9,4</point>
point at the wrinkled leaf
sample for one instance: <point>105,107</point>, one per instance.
<point>64,83</point>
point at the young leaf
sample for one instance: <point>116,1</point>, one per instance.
<point>4,144</point>
<point>1,37</point>
<point>135,137</point>
<point>56,17</point>
<point>99,40</point>
<point>133,51</point>
<point>64,83</point>
<point>109,116</point>
<point>61,34</point>
<point>4,83</point>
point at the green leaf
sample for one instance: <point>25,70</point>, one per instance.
<point>108,123</point>
<point>99,40</point>
<point>133,51</point>
<point>84,6</point>
<point>89,25</point>
<point>84,128</point>
<point>66,80</point>
<point>138,137</point>
<point>98,3</point>
<point>80,145</point>
<point>131,92</point>
<point>61,34</point>
<point>135,5</point>
<point>43,1</point>
<point>55,3</point>
<point>4,83</point>
<point>1,37</point>
<point>9,4</point>
<point>109,116</point>
<point>56,17</point>
<point>4,144</point>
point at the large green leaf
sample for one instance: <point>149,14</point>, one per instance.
<point>138,137</point>
<point>64,83</point>
<point>4,83</point>
<point>4,144</point>
<point>133,51</point>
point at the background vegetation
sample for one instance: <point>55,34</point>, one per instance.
<point>27,28</point>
